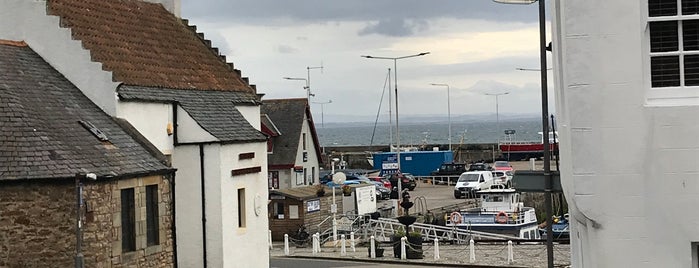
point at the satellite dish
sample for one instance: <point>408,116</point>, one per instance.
<point>339,178</point>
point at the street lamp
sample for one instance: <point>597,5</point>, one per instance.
<point>497,111</point>
<point>395,79</point>
<point>545,123</point>
<point>448,108</point>
<point>531,69</point>
<point>322,104</point>
<point>307,87</point>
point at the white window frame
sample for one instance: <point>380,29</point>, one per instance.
<point>668,96</point>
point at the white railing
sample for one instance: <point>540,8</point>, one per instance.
<point>384,229</point>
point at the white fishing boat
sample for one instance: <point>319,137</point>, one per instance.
<point>500,212</point>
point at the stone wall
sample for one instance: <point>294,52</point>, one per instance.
<point>37,224</point>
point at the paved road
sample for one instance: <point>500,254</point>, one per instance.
<point>282,262</point>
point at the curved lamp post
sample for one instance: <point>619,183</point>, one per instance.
<point>322,105</point>
<point>395,79</point>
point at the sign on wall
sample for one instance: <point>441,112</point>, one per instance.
<point>313,205</point>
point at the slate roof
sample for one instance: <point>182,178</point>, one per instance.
<point>288,115</point>
<point>300,193</point>
<point>40,133</point>
<point>215,111</point>
<point>143,44</point>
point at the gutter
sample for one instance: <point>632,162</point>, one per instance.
<point>173,226</point>
<point>203,202</point>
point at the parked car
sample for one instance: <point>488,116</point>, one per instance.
<point>502,165</point>
<point>503,177</point>
<point>449,169</point>
<point>472,181</point>
<point>382,193</point>
<point>407,181</point>
<point>386,182</point>
<point>479,167</point>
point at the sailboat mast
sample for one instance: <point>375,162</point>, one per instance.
<point>390,118</point>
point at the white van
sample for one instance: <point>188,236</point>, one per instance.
<point>472,181</point>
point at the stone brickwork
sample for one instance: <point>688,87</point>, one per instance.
<point>37,224</point>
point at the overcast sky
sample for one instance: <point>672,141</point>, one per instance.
<point>475,46</point>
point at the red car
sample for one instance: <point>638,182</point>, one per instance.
<point>502,165</point>
<point>383,180</point>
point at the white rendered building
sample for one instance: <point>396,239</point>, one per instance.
<point>627,94</point>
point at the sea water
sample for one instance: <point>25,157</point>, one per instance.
<point>418,133</point>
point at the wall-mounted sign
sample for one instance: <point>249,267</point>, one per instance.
<point>313,205</point>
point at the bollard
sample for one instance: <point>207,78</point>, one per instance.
<point>373,248</point>
<point>286,244</point>
<point>436,249</point>
<point>318,241</point>
<point>403,240</point>
<point>343,249</point>
<point>510,254</point>
<point>352,242</point>
<point>269,239</point>
<point>472,251</point>
<point>532,163</point>
<point>316,245</point>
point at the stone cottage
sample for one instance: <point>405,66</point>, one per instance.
<point>140,62</point>
<point>65,163</point>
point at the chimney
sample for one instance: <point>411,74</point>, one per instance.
<point>173,6</point>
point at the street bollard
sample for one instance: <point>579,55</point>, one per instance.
<point>318,242</point>
<point>286,244</point>
<point>472,251</point>
<point>436,249</point>
<point>403,240</point>
<point>269,239</point>
<point>373,248</point>
<point>343,248</point>
<point>510,254</point>
<point>352,242</point>
<point>315,244</point>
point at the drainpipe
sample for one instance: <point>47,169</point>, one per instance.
<point>79,261</point>
<point>173,211</point>
<point>203,201</point>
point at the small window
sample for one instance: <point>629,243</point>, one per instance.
<point>304,141</point>
<point>279,210</point>
<point>241,208</point>
<point>128,220</point>
<point>293,212</point>
<point>152,216</point>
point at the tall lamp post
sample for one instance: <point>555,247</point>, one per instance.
<point>544,122</point>
<point>395,79</point>
<point>322,104</point>
<point>307,87</point>
<point>448,108</point>
<point>497,111</point>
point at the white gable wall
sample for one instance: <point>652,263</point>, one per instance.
<point>312,157</point>
<point>629,167</point>
<point>22,20</point>
<point>252,114</point>
<point>154,125</point>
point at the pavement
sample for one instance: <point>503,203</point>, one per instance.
<point>486,255</point>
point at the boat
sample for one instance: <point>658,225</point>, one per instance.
<point>500,212</point>
<point>514,150</point>
<point>560,228</point>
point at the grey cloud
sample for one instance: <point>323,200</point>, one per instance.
<point>284,49</point>
<point>394,27</point>
<point>321,11</point>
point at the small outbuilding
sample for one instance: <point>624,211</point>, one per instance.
<point>292,208</point>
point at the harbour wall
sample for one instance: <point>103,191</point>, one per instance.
<point>356,156</point>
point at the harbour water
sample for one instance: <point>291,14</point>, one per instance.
<point>417,133</point>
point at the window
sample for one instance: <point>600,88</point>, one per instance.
<point>152,215</point>
<point>241,208</point>
<point>304,141</point>
<point>674,42</point>
<point>128,220</point>
<point>279,210</point>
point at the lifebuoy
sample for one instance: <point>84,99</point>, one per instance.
<point>455,217</point>
<point>501,217</point>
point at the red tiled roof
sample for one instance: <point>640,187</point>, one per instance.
<point>145,45</point>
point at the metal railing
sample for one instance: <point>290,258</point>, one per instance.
<point>385,228</point>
